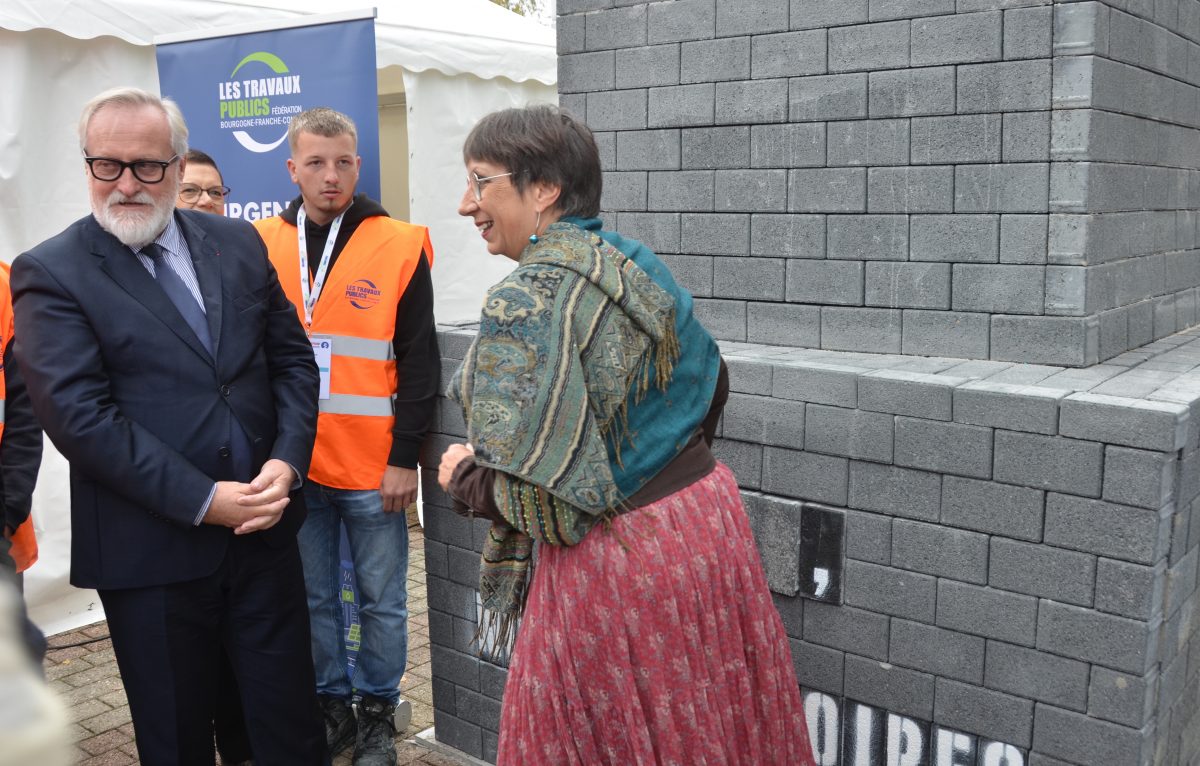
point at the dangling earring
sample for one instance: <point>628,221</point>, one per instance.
<point>533,238</point>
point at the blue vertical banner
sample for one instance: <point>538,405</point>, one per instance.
<point>239,90</point>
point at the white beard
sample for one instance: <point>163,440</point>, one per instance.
<point>134,229</point>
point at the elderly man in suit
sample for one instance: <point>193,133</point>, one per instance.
<point>167,365</point>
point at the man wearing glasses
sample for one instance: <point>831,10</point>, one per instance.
<point>165,362</point>
<point>203,188</point>
<point>360,281</point>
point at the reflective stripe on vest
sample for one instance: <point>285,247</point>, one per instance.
<point>363,348</point>
<point>1,410</point>
<point>349,404</point>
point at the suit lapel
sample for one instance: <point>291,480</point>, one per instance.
<point>120,263</point>
<point>206,259</point>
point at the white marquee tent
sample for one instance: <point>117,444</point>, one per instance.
<point>442,65</point>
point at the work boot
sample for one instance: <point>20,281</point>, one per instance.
<point>340,727</point>
<point>375,745</point>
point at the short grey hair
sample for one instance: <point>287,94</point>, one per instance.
<point>321,121</point>
<point>130,96</point>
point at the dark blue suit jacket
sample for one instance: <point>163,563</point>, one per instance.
<point>130,396</point>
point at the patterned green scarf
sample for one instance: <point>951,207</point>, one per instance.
<point>564,341</point>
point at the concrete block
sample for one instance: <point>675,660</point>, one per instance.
<point>895,491</point>
<point>748,376</point>
<point>792,54</point>
<point>910,190</point>
<point>1141,323</point>
<point>459,734</point>
<point>846,628</point>
<point>1011,406</point>
<point>1023,239</point>
<point>1036,675</point>
<point>776,526</point>
<point>868,142</point>
<point>888,590</point>
<point>569,34</point>
<point>789,236</point>
<point>1139,423</point>
<point>875,331</point>
<point>1046,340</point>
<point>945,333</point>
<point>1007,188</point>
<point>908,285</point>
<point>615,28</point>
<point>764,420</point>
<point>957,238</point>
<point>648,150</point>
<point>1047,462</point>
<point>1004,86</point>
<point>994,508</point>
<point>998,288</point>
<point>680,105</point>
<point>795,145</point>
<point>617,110</point>
<point>686,190</point>
<point>726,58</point>
<point>956,139</point>
<point>783,324</point>
<point>1040,570</point>
<point>1080,29</point>
<point>744,458</point>
<point>1181,582</point>
<point>1107,529</point>
<point>907,393</point>
<point>817,14</point>
<point>647,67</point>
<point>1121,698</point>
<point>889,687</point>
<point>827,97</point>
<point>944,447</point>
<point>818,667</point>
<point>868,237</point>
<point>869,46</point>
<point>682,20</point>
<point>805,475</point>
<point>849,433</point>
<point>658,231</point>
<point>694,273</point>
<point>827,190</point>
<point>995,715</point>
<point>1114,332</point>
<point>715,233</point>
<point>751,101</point>
<point>957,39</point>
<point>1080,739</point>
<point>1026,137</point>
<point>825,282</point>
<point>751,190</point>
<point>1028,32</point>
<point>726,320</point>
<point>1138,477</point>
<point>911,92</point>
<point>940,551</point>
<point>868,535</point>
<point>987,612</point>
<point>751,278</point>
<point>711,148</point>
<point>944,653</point>
<point>818,382</point>
<point>582,72</point>
<point>754,17</point>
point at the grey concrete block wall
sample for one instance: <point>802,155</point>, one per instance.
<point>1022,554</point>
<point>1060,137</point>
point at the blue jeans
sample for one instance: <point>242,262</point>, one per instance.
<point>379,548</point>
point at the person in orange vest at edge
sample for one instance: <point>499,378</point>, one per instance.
<point>361,284</point>
<point>20,458</point>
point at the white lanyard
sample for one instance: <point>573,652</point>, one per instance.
<point>311,294</point>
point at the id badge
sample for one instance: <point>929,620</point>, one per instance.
<point>323,352</point>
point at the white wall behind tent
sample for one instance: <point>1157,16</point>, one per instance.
<point>453,60</point>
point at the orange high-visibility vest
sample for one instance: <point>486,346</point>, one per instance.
<point>24,542</point>
<point>357,310</point>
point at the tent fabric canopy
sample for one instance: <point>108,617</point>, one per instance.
<point>450,36</point>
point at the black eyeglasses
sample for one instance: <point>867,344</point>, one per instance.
<point>146,171</point>
<point>190,193</point>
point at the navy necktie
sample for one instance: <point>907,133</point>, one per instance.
<point>179,294</point>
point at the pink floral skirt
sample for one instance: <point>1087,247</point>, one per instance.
<point>655,642</point>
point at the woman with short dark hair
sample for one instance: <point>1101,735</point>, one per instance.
<point>591,395</point>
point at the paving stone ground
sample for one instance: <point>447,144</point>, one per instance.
<point>86,678</point>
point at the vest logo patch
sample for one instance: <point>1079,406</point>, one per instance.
<point>363,294</point>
